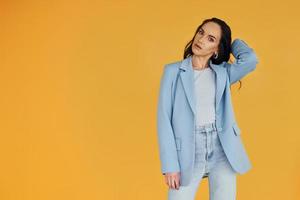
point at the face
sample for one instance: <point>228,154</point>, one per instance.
<point>207,39</point>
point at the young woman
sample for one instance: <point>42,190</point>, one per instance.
<point>198,134</point>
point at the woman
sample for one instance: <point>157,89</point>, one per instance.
<point>197,131</point>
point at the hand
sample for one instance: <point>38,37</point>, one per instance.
<point>173,180</point>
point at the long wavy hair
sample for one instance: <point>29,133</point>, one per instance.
<point>224,45</point>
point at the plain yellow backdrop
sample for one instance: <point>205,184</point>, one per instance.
<point>79,85</point>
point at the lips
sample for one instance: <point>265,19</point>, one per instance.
<point>198,46</point>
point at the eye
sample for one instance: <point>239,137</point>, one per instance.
<point>210,39</point>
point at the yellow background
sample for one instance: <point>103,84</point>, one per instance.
<point>79,83</point>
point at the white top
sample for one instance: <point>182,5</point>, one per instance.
<point>205,88</point>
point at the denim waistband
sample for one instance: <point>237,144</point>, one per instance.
<point>206,127</point>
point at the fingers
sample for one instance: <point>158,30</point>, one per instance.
<point>173,180</point>
<point>173,183</point>
<point>169,181</point>
<point>176,182</point>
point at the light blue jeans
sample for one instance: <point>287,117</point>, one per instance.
<point>210,162</point>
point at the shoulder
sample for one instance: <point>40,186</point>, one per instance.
<point>222,66</point>
<point>172,67</point>
<point>169,71</point>
<point>225,64</point>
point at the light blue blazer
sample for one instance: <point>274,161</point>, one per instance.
<point>176,138</point>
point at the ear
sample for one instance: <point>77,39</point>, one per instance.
<point>216,50</point>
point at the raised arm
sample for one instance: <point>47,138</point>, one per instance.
<point>166,139</point>
<point>245,61</point>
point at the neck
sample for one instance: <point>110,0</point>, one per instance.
<point>199,62</point>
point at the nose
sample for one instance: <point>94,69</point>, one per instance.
<point>200,40</point>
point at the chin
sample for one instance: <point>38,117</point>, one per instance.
<point>196,53</point>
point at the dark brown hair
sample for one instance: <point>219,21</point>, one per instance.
<point>224,45</point>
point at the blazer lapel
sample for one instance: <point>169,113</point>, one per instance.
<point>221,75</point>
<point>187,78</point>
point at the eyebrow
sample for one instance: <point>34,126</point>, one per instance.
<point>209,35</point>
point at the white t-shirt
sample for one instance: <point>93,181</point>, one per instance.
<point>205,88</point>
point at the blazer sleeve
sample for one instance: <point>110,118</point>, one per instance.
<point>166,139</point>
<point>245,61</point>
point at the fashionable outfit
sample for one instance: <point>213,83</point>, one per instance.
<point>197,131</point>
<point>210,159</point>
